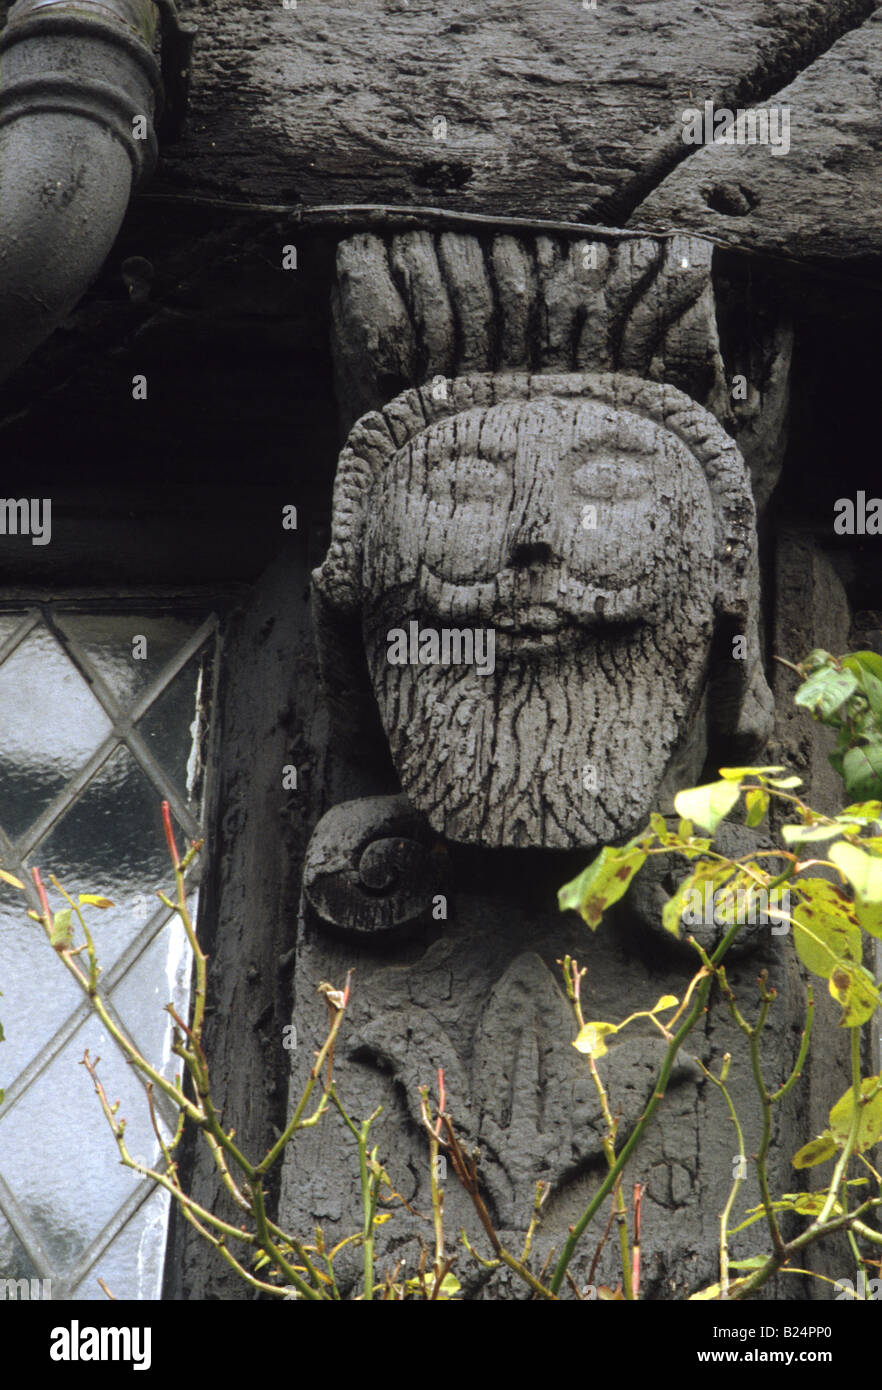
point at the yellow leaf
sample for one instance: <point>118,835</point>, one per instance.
<point>714,1290</point>
<point>709,804</point>
<point>591,1038</point>
<point>735,774</point>
<point>667,1001</point>
<point>95,900</point>
<point>853,987</point>
<point>10,878</point>
<point>816,1151</point>
<point>869,1129</point>
<point>864,873</point>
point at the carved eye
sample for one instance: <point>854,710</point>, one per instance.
<point>614,481</point>
<point>468,479</point>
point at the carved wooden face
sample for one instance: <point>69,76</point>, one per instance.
<point>540,519</point>
<point>582,537</point>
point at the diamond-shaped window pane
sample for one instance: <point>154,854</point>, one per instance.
<point>131,1265</point>
<point>9,623</point>
<point>50,725</point>
<point>15,1262</point>
<point>31,981</point>
<point>111,842</point>
<point>170,726</point>
<point>158,977</point>
<point>57,1154</point>
<point>128,666</point>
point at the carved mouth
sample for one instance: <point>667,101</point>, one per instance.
<point>525,637</point>
<point>556,604</point>
<point>537,620</point>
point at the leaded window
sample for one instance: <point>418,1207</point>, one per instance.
<point>104,713</point>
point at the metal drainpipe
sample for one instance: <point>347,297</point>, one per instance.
<point>74,77</point>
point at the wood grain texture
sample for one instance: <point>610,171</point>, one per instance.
<point>822,199</point>
<point>480,995</point>
<point>551,110</point>
<point>411,307</point>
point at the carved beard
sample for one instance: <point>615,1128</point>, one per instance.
<point>565,745</point>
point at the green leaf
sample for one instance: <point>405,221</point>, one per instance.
<point>811,1204</point>
<point>709,804</point>
<point>816,1151</point>
<point>855,989</point>
<point>605,880</point>
<point>860,662</point>
<point>756,800</point>
<point>870,1120</point>
<point>755,1262</point>
<point>862,770</point>
<point>61,935</point>
<point>785,783</point>
<point>825,930</point>
<point>867,666</point>
<point>826,691</point>
<point>690,894</point>
<point>676,905</point>
<point>864,873</point>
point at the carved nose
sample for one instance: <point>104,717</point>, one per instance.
<point>530,553</point>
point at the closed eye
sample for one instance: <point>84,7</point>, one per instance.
<point>469,480</point>
<point>623,480</point>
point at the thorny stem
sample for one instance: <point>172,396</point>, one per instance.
<point>338,1009</point>
<point>639,1130</point>
<point>845,1156</point>
<point>436,1189</point>
<point>619,1204</point>
<point>467,1172</point>
<point>725,1214</point>
<point>753,1035</point>
<point>369,1187</point>
<point>97,1004</point>
<point>822,1225</point>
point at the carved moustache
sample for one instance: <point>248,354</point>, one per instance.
<point>536,601</point>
